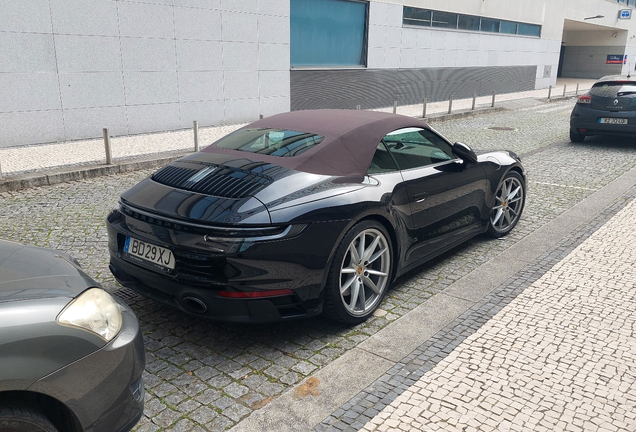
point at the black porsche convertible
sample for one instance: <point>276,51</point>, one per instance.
<point>305,213</point>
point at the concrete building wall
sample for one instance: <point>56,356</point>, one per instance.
<point>69,68</point>
<point>72,67</point>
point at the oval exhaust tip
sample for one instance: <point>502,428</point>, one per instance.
<point>194,304</point>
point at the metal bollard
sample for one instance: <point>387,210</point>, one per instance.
<point>565,86</point>
<point>450,104</point>
<point>550,93</point>
<point>493,99</point>
<point>577,89</point>
<point>109,156</point>
<point>195,129</point>
<point>358,107</point>
<point>474,99</point>
<point>394,107</point>
<point>424,109</point>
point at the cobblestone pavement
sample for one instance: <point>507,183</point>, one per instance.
<point>552,349</point>
<point>202,376</point>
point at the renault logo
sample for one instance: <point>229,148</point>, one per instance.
<point>615,101</point>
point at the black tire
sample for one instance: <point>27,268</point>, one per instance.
<point>576,137</point>
<point>19,418</point>
<point>510,199</point>
<point>355,289</point>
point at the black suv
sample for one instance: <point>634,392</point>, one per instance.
<point>609,108</point>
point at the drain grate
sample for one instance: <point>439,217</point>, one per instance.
<point>501,128</point>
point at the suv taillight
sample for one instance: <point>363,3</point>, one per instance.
<point>585,99</point>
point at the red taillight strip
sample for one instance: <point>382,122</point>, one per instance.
<point>255,294</point>
<point>585,99</point>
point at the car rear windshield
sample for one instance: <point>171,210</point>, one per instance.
<point>272,142</point>
<point>613,89</point>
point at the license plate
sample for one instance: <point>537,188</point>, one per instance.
<point>612,120</point>
<point>147,253</point>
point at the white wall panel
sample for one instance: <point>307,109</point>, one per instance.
<point>273,29</point>
<point>240,5</point>
<point>424,39</point>
<point>149,55</point>
<point>450,58</point>
<point>191,23</point>
<point>377,13</point>
<point>393,37</point>
<point>273,57</point>
<point>375,58</point>
<point>377,36</point>
<point>207,113</point>
<point>26,52</point>
<point>392,57</point>
<point>239,27</point>
<point>451,41</point>
<point>274,7</point>
<point>30,16</point>
<point>77,53</point>
<point>153,118</point>
<point>273,83</point>
<point>274,105</point>
<point>144,88</point>
<point>241,110</point>
<point>240,56</point>
<point>240,84</point>
<point>90,122</point>
<point>199,55</point>
<point>408,58</point>
<point>394,15</point>
<point>200,86</point>
<point>19,128</point>
<point>91,89</point>
<point>201,4</point>
<point>146,20</point>
<point>437,58</point>
<point>29,92</point>
<point>409,38</point>
<point>423,58</point>
<point>95,17</point>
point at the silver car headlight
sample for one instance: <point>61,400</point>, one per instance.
<point>94,310</point>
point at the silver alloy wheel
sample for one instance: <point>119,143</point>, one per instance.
<point>364,272</point>
<point>508,205</point>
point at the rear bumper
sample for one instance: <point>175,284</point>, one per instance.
<point>296,264</point>
<point>585,121</point>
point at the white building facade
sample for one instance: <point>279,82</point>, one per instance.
<point>69,68</point>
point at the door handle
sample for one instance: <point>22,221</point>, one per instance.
<point>420,197</point>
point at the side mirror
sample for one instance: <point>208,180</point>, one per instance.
<point>464,152</point>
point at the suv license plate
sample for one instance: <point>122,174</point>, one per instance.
<point>613,120</point>
<point>147,253</point>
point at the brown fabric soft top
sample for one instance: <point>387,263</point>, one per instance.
<point>351,137</point>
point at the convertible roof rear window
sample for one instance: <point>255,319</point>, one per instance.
<point>272,142</point>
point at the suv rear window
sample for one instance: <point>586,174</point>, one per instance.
<point>613,89</point>
<point>272,142</point>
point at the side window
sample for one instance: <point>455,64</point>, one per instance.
<point>416,147</point>
<point>382,161</point>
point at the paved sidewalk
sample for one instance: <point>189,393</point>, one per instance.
<point>559,357</point>
<point>46,157</point>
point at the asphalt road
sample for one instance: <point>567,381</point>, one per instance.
<point>203,376</point>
